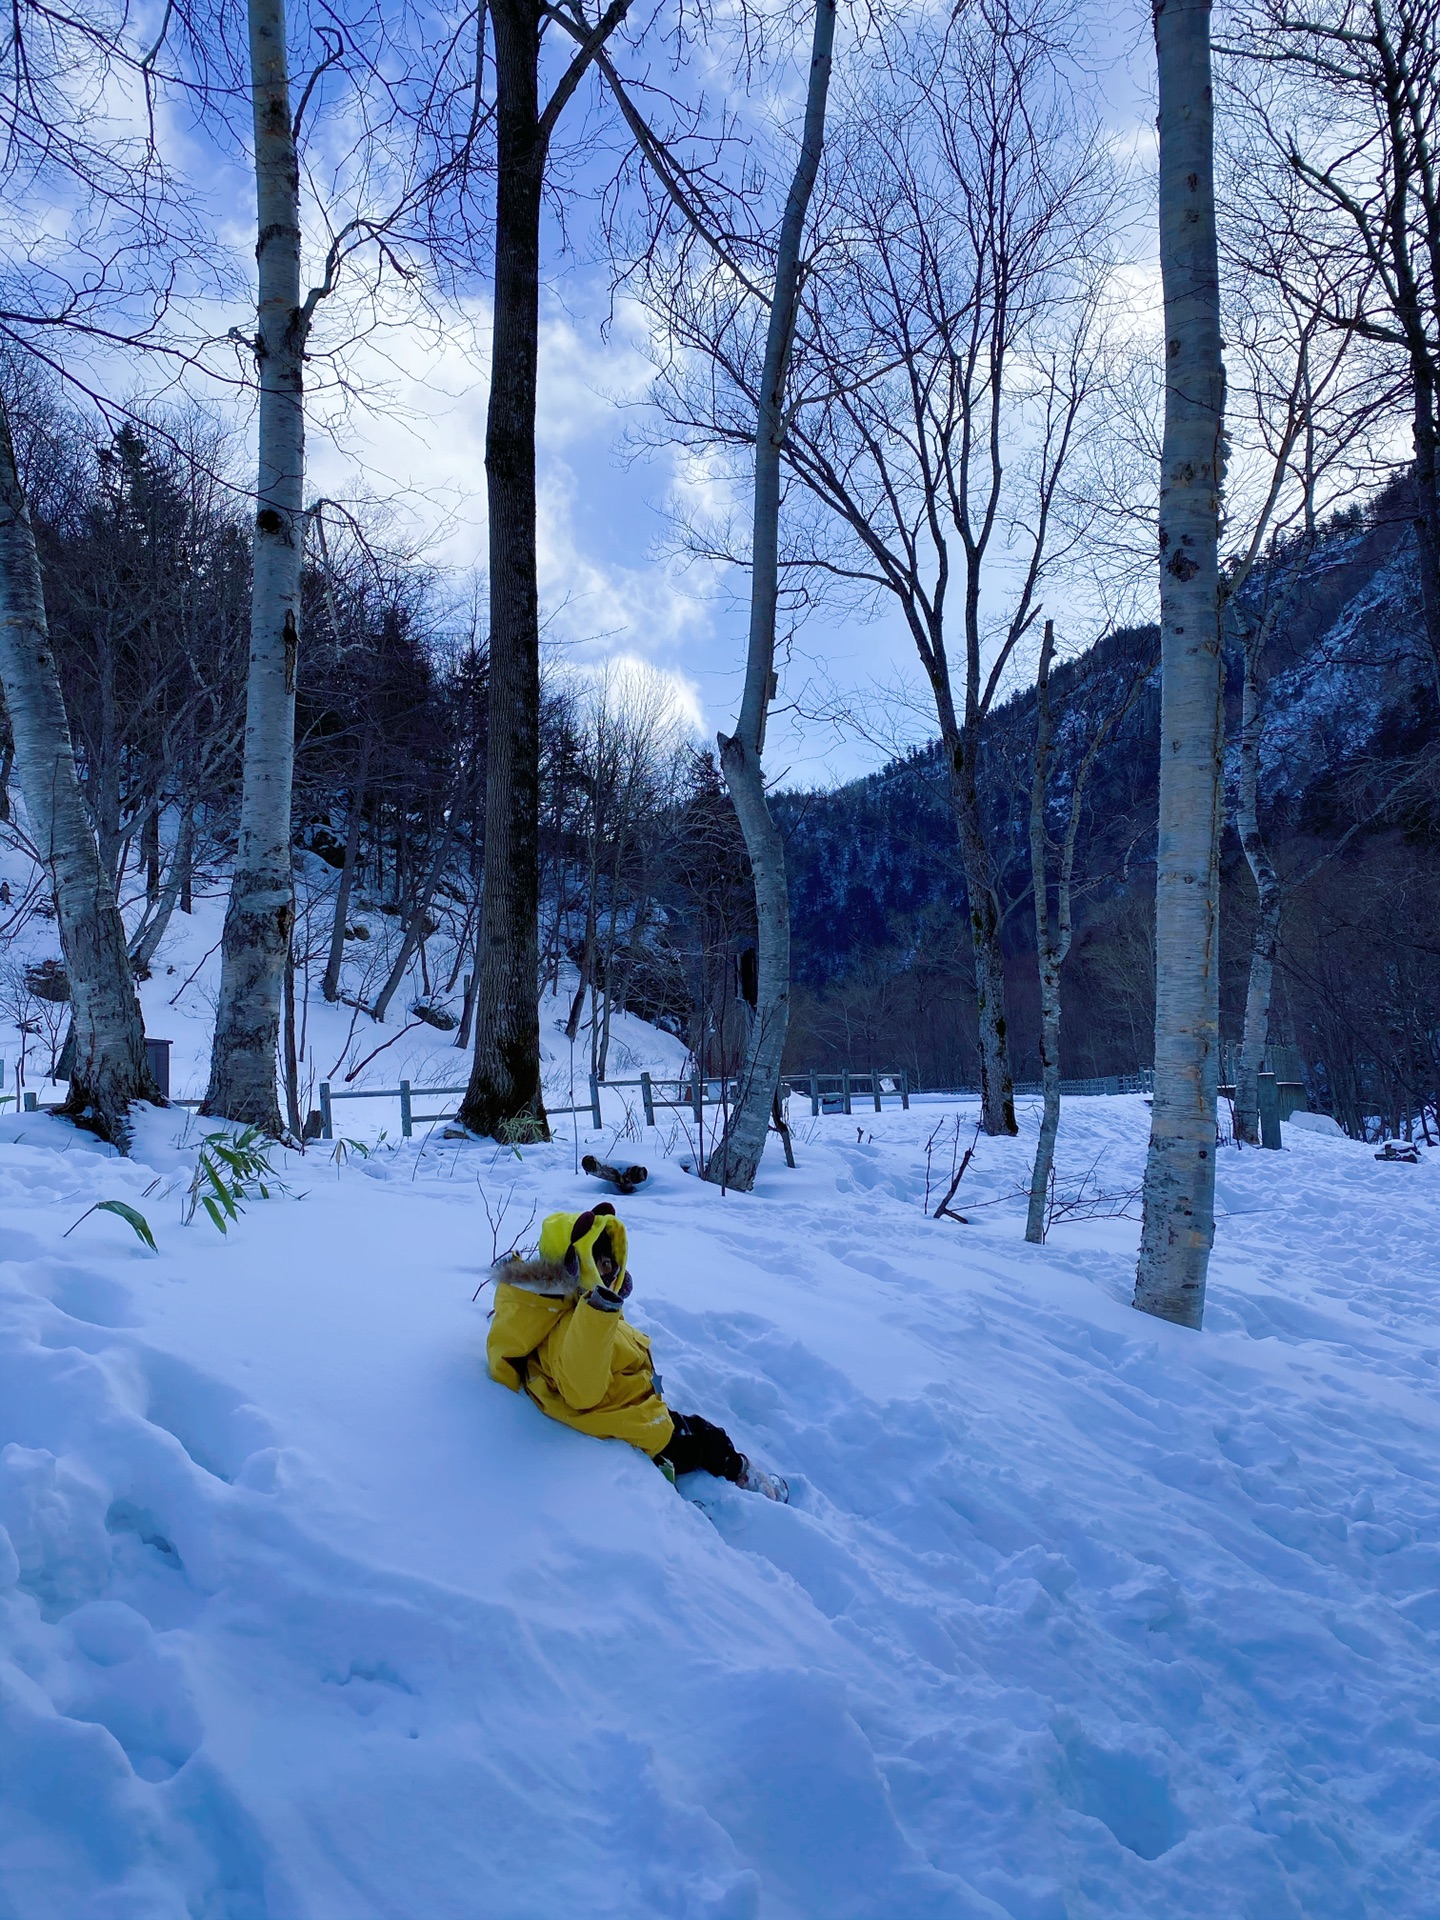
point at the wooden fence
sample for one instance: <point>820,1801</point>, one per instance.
<point>827,1093</point>
<point>693,1092</point>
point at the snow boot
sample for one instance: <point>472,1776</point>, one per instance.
<point>756,1480</point>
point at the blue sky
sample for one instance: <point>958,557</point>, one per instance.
<point>610,582</point>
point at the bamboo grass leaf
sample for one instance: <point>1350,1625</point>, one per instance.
<point>132,1217</point>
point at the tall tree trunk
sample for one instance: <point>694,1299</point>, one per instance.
<point>260,915</point>
<point>1179,1206</point>
<point>292,1056</point>
<point>577,1005</point>
<point>109,1063</point>
<point>330,985</point>
<point>735,1158</point>
<point>150,852</point>
<point>505,1090</point>
<point>592,908</point>
<point>1266,938</point>
<point>997,1089</point>
<point>146,941</point>
<point>1048,952</point>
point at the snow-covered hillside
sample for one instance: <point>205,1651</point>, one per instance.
<point>1074,1615</point>
<point>340,1044</point>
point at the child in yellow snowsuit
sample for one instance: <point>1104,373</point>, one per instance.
<point>560,1333</point>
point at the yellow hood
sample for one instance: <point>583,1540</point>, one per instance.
<point>555,1242</point>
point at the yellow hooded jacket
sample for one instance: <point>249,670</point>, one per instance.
<point>580,1363</point>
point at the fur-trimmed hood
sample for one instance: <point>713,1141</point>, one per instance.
<point>547,1277</point>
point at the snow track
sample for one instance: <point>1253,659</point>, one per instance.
<point>1074,1615</point>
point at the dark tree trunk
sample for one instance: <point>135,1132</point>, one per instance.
<point>997,1091</point>
<point>291,1052</point>
<point>150,853</point>
<point>1265,941</point>
<point>330,985</point>
<point>505,1090</point>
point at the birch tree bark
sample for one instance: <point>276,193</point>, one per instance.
<point>260,914</point>
<point>1179,1204</point>
<point>109,1069</point>
<point>735,1158</point>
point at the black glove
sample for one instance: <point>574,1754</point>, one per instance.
<point>604,1298</point>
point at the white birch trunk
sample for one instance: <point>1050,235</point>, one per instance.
<point>735,1158</point>
<point>109,1069</point>
<point>1179,1218</point>
<point>260,914</point>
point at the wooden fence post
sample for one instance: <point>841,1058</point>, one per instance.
<point>647,1094</point>
<point>595,1114</point>
<point>1269,1111</point>
<point>875,1088</point>
<point>697,1097</point>
<point>405,1125</point>
<point>327,1131</point>
<point>905,1089</point>
<point>814,1092</point>
<point>845,1088</point>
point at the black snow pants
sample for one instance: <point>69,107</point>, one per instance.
<point>698,1446</point>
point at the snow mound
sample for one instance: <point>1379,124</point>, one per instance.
<point>1316,1123</point>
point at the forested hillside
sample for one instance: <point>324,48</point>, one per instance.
<point>1348,807</point>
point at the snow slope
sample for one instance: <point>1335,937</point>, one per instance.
<point>340,1044</point>
<point>1074,1616</point>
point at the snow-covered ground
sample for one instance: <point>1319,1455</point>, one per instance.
<point>1073,1614</point>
